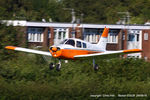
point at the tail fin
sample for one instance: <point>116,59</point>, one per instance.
<point>103,40</point>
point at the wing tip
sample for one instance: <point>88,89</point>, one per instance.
<point>132,50</point>
<point>10,47</point>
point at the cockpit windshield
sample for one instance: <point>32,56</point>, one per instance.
<point>70,42</point>
<point>63,41</point>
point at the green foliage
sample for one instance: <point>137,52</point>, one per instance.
<point>7,37</point>
<point>104,11</point>
<point>97,11</point>
<point>26,78</point>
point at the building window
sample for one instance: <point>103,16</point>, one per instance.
<point>112,38</point>
<point>145,36</point>
<point>49,34</point>
<point>35,37</point>
<point>64,35</point>
<point>60,33</point>
<point>90,35</point>
<point>137,37</point>
<point>131,37</point>
<point>93,35</point>
<point>35,34</point>
<point>123,36</point>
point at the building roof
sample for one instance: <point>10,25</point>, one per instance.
<point>55,24</point>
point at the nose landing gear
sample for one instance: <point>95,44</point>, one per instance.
<point>58,66</point>
<point>51,66</point>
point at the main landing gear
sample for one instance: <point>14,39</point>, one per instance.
<point>95,66</point>
<point>58,66</point>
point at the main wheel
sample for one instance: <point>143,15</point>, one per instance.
<point>51,66</point>
<point>58,66</point>
<point>96,67</point>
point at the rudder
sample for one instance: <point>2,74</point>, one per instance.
<point>103,39</point>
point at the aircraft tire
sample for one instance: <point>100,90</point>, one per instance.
<point>58,66</point>
<point>51,66</point>
<point>96,67</point>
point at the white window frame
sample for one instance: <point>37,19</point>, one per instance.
<point>60,33</point>
<point>35,35</point>
<point>112,39</point>
<point>145,36</point>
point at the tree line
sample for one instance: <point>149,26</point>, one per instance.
<point>94,11</point>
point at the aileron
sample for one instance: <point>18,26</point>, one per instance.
<point>109,53</point>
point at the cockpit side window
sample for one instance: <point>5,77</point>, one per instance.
<point>79,44</point>
<point>70,42</point>
<point>84,45</point>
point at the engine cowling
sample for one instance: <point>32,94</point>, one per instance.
<point>55,51</point>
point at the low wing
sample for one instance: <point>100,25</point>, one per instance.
<point>110,53</point>
<point>28,50</point>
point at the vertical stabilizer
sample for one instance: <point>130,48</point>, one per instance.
<point>103,39</point>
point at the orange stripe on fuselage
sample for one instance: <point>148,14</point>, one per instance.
<point>10,47</point>
<point>70,53</point>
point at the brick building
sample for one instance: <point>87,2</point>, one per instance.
<point>120,37</point>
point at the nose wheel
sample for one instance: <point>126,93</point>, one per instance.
<point>58,66</point>
<point>51,66</point>
<point>95,67</point>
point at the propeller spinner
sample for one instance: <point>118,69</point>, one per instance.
<point>55,51</point>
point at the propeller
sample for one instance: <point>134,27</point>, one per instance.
<point>55,51</point>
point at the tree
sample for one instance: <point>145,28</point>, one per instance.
<point>7,37</point>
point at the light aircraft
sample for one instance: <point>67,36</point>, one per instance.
<point>73,48</point>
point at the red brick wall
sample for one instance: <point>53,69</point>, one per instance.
<point>51,40</point>
<point>120,36</point>
<point>124,42</point>
<point>78,32</point>
<point>70,32</point>
<point>45,38</point>
<point>146,45</point>
<point>112,46</point>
